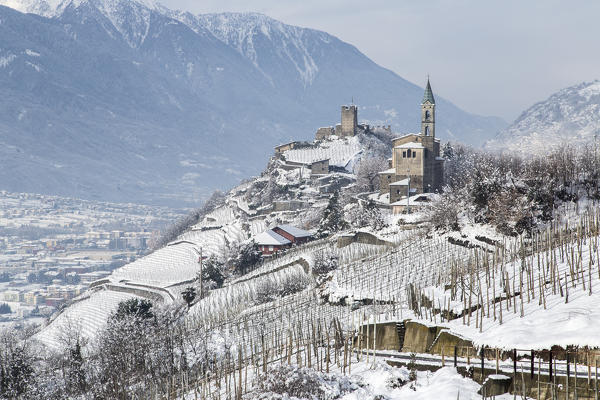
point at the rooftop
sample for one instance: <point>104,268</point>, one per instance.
<point>428,96</point>
<point>294,231</point>
<point>270,238</point>
<point>410,145</point>
<point>403,182</point>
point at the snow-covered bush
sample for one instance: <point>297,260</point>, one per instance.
<point>444,213</point>
<point>288,382</point>
<point>333,217</point>
<point>365,214</point>
<point>268,289</point>
<point>248,257</point>
<point>325,262</point>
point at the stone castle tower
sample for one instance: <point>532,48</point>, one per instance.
<point>416,165</point>
<point>349,120</point>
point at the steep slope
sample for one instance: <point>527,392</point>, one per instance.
<point>570,116</point>
<point>127,100</point>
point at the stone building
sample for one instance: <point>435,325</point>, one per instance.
<point>349,120</point>
<point>348,127</point>
<point>416,165</point>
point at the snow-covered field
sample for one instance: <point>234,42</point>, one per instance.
<point>85,317</point>
<point>339,152</point>
<point>165,267</point>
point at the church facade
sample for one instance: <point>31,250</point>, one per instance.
<point>416,166</point>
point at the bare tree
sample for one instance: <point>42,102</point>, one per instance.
<point>367,176</point>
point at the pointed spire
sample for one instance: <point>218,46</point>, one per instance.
<point>428,93</point>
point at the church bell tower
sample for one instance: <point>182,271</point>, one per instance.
<point>428,112</point>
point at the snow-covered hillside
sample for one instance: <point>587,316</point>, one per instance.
<point>569,117</point>
<point>246,211</point>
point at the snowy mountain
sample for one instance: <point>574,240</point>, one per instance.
<point>571,116</point>
<point>127,100</point>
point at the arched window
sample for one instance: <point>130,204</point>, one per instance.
<point>427,115</point>
<point>426,131</point>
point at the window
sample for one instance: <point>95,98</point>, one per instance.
<point>426,131</point>
<point>427,115</point>
<point>425,151</point>
<point>270,248</point>
<point>403,154</point>
<point>414,154</point>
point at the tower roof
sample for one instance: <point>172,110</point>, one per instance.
<point>428,96</point>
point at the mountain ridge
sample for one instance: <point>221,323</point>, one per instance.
<point>133,103</point>
<point>569,116</point>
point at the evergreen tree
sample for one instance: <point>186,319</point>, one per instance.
<point>139,308</point>
<point>333,219</point>
<point>248,257</point>
<point>189,294</point>
<point>212,273</point>
<point>374,214</point>
<point>76,382</point>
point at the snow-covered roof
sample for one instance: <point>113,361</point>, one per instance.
<point>388,171</point>
<point>406,135</point>
<point>410,145</point>
<point>292,230</point>
<point>403,182</point>
<point>270,238</point>
<point>417,199</point>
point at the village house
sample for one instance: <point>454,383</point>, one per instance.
<point>293,234</point>
<point>416,166</point>
<point>280,238</point>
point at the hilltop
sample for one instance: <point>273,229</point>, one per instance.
<point>129,101</point>
<point>569,117</point>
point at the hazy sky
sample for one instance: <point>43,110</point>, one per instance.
<point>488,57</point>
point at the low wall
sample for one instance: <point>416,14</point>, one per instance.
<point>361,237</point>
<point>418,337</point>
<point>385,339</point>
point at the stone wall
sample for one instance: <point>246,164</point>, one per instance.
<point>349,120</point>
<point>361,237</point>
<point>324,133</point>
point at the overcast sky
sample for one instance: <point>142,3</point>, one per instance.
<point>488,57</point>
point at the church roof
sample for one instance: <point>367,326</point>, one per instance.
<point>403,182</point>
<point>410,145</point>
<point>428,96</point>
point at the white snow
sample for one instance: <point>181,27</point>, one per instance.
<point>339,152</point>
<point>6,60</point>
<point>86,316</point>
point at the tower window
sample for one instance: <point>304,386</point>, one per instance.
<point>427,115</point>
<point>426,131</point>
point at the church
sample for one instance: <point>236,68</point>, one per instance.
<point>416,166</point>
